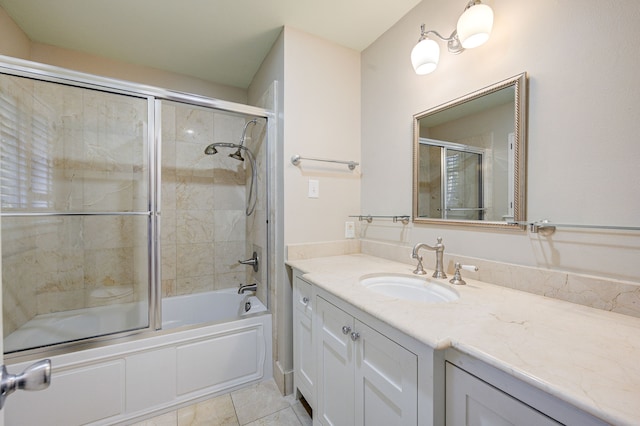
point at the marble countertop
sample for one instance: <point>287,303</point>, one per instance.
<point>585,356</point>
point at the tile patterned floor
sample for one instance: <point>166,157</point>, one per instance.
<point>258,405</point>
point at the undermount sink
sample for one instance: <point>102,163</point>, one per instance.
<point>409,287</point>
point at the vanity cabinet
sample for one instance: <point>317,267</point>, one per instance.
<point>363,377</point>
<point>303,352</point>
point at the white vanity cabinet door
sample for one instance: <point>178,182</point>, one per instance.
<point>363,377</point>
<point>303,351</point>
<point>334,365</point>
<point>386,388</point>
<point>471,401</point>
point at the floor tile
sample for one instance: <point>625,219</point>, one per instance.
<point>285,417</point>
<point>258,405</point>
<point>301,413</point>
<point>258,401</point>
<point>217,411</point>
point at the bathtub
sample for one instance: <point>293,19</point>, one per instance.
<point>178,311</point>
<point>212,306</point>
<point>211,343</point>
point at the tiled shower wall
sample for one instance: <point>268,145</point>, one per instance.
<point>256,232</point>
<point>67,149</point>
<point>203,201</point>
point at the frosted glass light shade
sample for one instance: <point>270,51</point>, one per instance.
<point>474,26</point>
<point>425,56</point>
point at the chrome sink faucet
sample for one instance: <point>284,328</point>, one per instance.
<point>439,249</point>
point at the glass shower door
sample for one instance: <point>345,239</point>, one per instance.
<point>76,212</point>
<point>463,194</point>
<point>450,181</point>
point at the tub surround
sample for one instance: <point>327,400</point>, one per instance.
<point>584,356</point>
<point>146,375</point>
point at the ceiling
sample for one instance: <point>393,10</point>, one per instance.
<point>222,41</point>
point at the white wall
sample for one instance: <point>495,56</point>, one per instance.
<point>13,41</point>
<point>322,106</point>
<point>92,64</point>
<point>583,157</point>
<point>270,73</point>
<point>319,89</point>
<point>318,115</point>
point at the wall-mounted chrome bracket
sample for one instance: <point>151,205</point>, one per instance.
<point>542,227</point>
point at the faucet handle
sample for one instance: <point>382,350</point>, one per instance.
<point>457,278</point>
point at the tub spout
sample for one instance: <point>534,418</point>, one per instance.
<point>247,287</point>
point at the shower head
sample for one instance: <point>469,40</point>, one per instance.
<point>210,150</point>
<point>237,155</point>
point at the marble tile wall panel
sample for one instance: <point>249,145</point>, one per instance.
<point>168,269</point>
<point>256,224</point>
<point>327,248</point>
<point>203,232</point>
<point>597,292</point>
<point>229,273</point>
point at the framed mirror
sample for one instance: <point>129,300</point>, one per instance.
<point>469,158</point>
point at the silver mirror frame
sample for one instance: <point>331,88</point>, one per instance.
<point>519,82</point>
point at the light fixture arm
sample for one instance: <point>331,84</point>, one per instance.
<point>453,43</point>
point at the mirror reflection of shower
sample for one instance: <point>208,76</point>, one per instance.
<point>237,155</point>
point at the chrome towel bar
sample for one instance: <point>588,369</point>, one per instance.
<point>295,160</point>
<point>545,227</point>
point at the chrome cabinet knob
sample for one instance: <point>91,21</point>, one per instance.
<point>346,329</point>
<point>355,336</point>
<point>305,300</point>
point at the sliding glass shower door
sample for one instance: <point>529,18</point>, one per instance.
<point>463,185</point>
<point>451,180</point>
<point>76,207</point>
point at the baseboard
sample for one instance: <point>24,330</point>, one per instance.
<point>283,379</point>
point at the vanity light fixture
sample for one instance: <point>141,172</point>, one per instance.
<point>473,29</point>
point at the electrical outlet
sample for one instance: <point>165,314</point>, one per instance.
<point>349,230</point>
<point>314,188</point>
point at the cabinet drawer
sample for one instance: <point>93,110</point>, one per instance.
<point>470,400</point>
<point>302,296</point>
<point>485,392</point>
